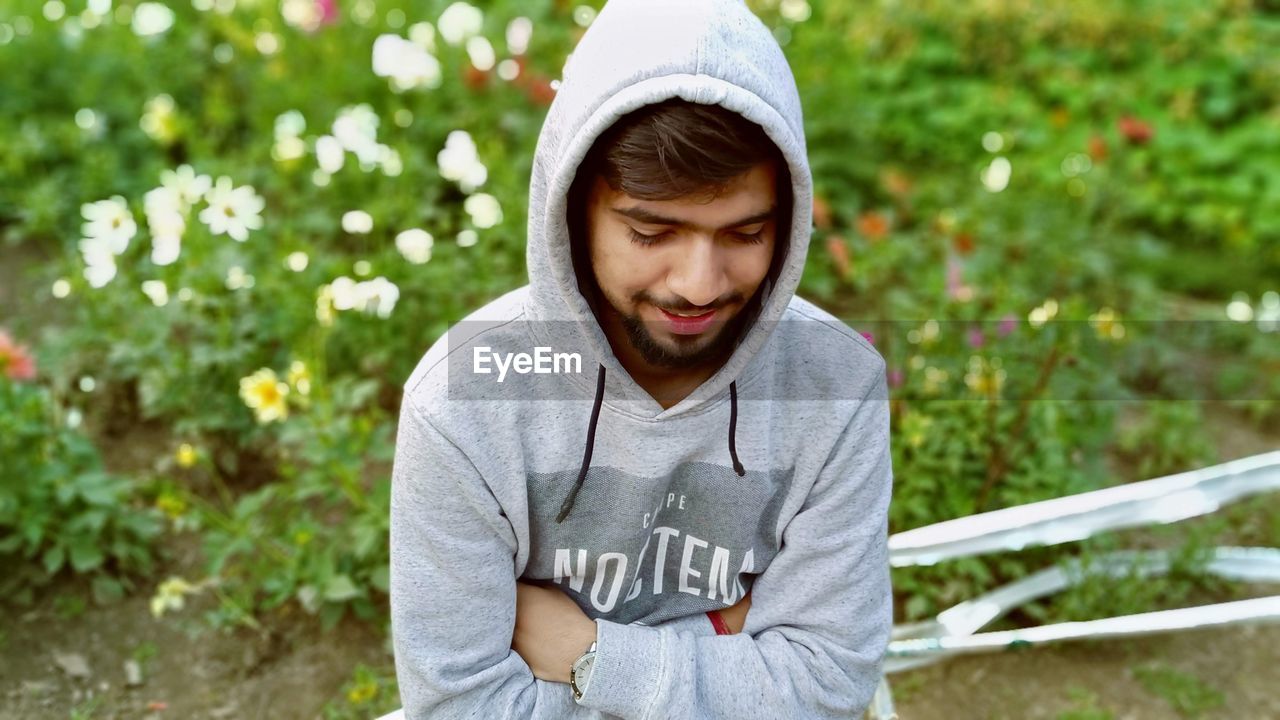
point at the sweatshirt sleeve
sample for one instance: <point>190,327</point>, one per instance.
<point>453,591</point>
<point>820,619</point>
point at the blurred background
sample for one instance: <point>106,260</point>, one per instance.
<point>230,228</point>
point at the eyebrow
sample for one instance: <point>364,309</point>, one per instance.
<point>648,216</point>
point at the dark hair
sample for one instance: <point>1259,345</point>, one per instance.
<point>673,149</point>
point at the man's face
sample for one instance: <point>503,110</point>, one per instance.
<point>678,273</point>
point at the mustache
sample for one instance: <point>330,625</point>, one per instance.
<point>681,306</point>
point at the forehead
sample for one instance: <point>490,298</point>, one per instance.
<point>750,194</point>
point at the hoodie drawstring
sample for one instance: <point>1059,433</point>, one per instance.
<point>567,506</point>
<point>591,443</point>
<point>733,428</point>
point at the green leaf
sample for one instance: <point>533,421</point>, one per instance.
<point>53,559</point>
<point>106,589</point>
<point>381,578</point>
<point>340,588</point>
<point>85,555</point>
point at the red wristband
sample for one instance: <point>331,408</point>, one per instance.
<point>718,623</point>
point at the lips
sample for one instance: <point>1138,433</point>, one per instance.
<point>689,324</point>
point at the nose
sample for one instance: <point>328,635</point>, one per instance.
<point>699,276</point>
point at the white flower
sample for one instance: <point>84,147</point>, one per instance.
<point>101,274</point>
<point>377,296</point>
<point>186,183</point>
<point>156,290</point>
<point>164,208</point>
<point>304,14</point>
<point>423,34</point>
<point>296,261</point>
<point>237,278</point>
<point>459,21</point>
<point>415,245</point>
<point>232,211</point>
<point>109,220</point>
<point>288,148</point>
<point>329,154</point>
<point>289,124</point>
<point>480,50</point>
<point>165,249</point>
<point>467,238</point>
<point>519,31</point>
<point>380,296</point>
<point>483,209</point>
<point>151,18</point>
<point>99,260</point>
<point>356,128</point>
<point>357,222</point>
<point>343,292</point>
<point>162,200</point>
<point>390,161</point>
<point>407,63</point>
<point>459,162</point>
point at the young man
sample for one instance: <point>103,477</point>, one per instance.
<point>572,543</point>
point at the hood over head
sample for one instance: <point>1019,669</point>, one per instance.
<point>637,53</point>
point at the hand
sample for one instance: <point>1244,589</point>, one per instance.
<point>551,631</point>
<point>735,616</point>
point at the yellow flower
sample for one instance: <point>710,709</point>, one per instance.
<point>985,377</point>
<point>1107,324</point>
<point>186,455</point>
<point>302,537</point>
<point>300,377</point>
<point>324,305</point>
<point>915,426</point>
<point>171,505</point>
<point>171,595</point>
<point>362,693</point>
<point>1043,314</point>
<point>265,394</point>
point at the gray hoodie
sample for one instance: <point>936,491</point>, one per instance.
<point>772,477</point>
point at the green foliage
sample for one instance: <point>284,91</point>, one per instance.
<point>1169,439</point>
<point>316,532</point>
<point>59,510</point>
<point>1140,145</point>
<point>369,693</point>
<point>1190,696</point>
<point>1084,706</point>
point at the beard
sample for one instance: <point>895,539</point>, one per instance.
<point>688,351</point>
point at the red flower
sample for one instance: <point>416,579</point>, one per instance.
<point>963,242</point>
<point>1097,148</point>
<point>16,361</point>
<point>895,182</point>
<point>873,225</point>
<point>475,78</point>
<point>821,212</point>
<point>1134,130</point>
<point>839,252</point>
<point>539,91</point>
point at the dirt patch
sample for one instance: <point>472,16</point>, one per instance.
<point>59,654</point>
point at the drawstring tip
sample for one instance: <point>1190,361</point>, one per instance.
<point>737,467</point>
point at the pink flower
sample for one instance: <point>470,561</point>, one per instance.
<point>16,361</point>
<point>956,289</point>
<point>895,377</point>
<point>1007,324</point>
<point>870,338</point>
<point>328,11</point>
<point>976,338</point>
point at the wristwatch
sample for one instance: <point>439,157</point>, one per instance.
<point>580,671</point>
